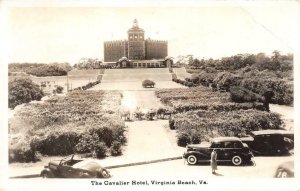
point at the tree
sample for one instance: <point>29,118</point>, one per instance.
<point>88,63</point>
<point>190,59</point>
<point>23,90</point>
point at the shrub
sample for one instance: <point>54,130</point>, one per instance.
<point>195,78</point>
<point>55,142</point>
<point>282,89</point>
<point>240,94</point>
<point>23,90</point>
<point>116,149</point>
<point>183,139</point>
<point>23,154</point>
<point>100,150</point>
<point>103,134</point>
<point>59,89</point>
<point>148,83</point>
<point>190,136</point>
<point>21,151</point>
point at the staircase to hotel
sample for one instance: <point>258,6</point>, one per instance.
<point>181,73</point>
<point>136,74</point>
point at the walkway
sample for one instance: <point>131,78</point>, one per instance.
<point>287,113</point>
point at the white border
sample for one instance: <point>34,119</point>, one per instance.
<point>217,184</point>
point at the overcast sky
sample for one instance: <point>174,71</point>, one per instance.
<point>49,34</point>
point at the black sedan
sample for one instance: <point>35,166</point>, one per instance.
<point>270,142</point>
<point>227,148</point>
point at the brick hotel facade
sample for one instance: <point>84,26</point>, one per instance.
<point>136,51</point>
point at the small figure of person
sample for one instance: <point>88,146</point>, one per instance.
<point>213,161</point>
<point>267,99</point>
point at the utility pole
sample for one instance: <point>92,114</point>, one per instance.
<point>67,81</point>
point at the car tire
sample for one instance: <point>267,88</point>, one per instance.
<point>236,160</point>
<point>192,159</point>
<point>47,175</point>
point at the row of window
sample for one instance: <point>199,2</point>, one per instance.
<point>135,64</point>
<point>141,37</point>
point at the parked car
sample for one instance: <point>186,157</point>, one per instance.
<point>270,142</point>
<point>285,170</point>
<point>74,168</point>
<point>228,149</point>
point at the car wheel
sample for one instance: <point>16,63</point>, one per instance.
<point>47,175</point>
<point>192,159</point>
<point>236,160</point>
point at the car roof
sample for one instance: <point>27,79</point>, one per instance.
<point>223,139</point>
<point>272,132</point>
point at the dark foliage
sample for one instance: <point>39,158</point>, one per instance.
<point>23,90</point>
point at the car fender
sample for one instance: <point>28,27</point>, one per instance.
<point>196,153</point>
<point>46,170</point>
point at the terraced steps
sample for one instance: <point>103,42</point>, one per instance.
<point>136,74</point>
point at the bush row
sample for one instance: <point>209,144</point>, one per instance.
<point>183,82</point>
<point>200,125</point>
<point>38,69</point>
<point>182,100</point>
<point>180,106</point>
<point>87,86</point>
<point>83,121</point>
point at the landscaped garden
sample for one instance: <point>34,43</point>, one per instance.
<point>80,122</point>
<point>200,114</point>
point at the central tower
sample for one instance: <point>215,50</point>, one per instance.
<point>136,42</point>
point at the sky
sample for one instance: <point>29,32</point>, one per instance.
<point>66,34</point>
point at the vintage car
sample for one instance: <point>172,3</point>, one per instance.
<point>285,170</point>
<point>74,168</point>
<point>228,149</point>
<point>270,142</point>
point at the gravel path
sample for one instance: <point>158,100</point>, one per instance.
<point>148,140</point>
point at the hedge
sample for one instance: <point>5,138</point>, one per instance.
<point>201,125</point>
<point>59,126</point>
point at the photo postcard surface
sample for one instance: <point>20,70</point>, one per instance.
<point>139,95</point>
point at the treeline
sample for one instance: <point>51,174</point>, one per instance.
<point>88,63</point>
<point>276,62</point>
<point>39,69</point>
<point>254,74</point>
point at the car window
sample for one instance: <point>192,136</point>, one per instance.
<point>238,145</point>
<point>217,145</point>
<point>228,145</point>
